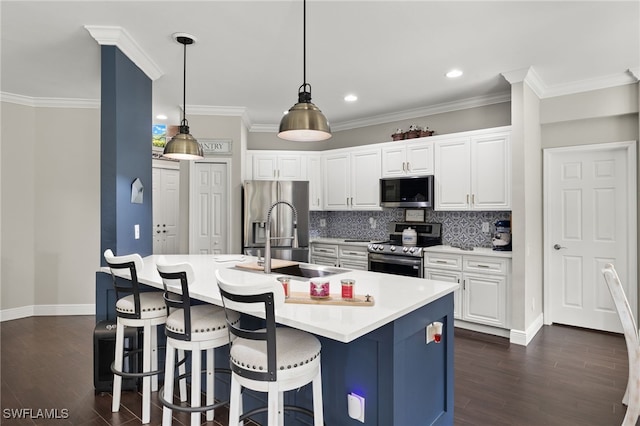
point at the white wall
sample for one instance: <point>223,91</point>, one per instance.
<point>50,210</point>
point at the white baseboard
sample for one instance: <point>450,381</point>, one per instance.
<point>523,338</point>
<point>46,310</point>
<point>481,328</point>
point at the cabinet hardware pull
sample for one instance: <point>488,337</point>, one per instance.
<point>403,167</point>
<point>352,201</point>
<point>473,199</point>
<point>464,284</point>
<point>408,166</point>
<point>467,198</point>
<point>479,265</point>
<point>441,261</point>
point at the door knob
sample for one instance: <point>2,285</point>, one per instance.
<point>558,246</point>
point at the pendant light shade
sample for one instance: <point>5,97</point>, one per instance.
<point>304,121</point>
<point>183,146</point>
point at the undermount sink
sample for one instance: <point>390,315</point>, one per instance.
<point>301,271</point>
<point>307,271</point>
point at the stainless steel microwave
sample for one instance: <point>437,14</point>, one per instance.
<point>416,191</point>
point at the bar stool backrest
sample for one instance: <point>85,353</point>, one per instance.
<point>177,277</point>
<point>259,299</point>
<point>123,287</point>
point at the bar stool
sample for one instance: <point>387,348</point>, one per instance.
<point>135,309</point>
<point>272,359</point>
<point>193,328</point>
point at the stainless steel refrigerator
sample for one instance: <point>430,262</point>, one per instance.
<point>258,197</point>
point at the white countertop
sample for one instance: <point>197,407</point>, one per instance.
<point>478,251</point>
<point>394,295</point>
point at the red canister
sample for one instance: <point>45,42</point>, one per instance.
<point>347,289</point>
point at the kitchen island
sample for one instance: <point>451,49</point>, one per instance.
<point>378,352</point>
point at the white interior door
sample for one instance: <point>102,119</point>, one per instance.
<point>209,199</point>
<point>590,220</point>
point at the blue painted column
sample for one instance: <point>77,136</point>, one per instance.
<point>125,154</point>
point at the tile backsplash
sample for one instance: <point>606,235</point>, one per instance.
<point>458,228</point>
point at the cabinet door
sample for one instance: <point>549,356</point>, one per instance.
<point>491,172</point>
<point>326,261</point>
<point>484,299</point>
<point>289,167</point>
<point>452,174</point>
<point>355,265</point>
<point>336,181</point>
<point>450,277</point>
<point>265,166</point>
<point>314,173</point>
<point>365,180</point>
<point>420,159</point>
<point>166,204</point>
<point>394,161</point>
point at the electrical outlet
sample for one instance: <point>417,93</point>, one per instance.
<point>136,231</point>
<point>323,223</point>
<point>485,227</point>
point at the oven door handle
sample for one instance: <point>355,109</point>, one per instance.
<point>396,260</point>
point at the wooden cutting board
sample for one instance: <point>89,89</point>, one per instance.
<point>275,263</point>
<point>304,299</point>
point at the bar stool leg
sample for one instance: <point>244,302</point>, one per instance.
<point>182,369</point>
<point>146,366</point>
<point>117,379</point>
<point>273,404</point>
<point>154,357</point>
<point>196,382</point>
<point>235,403</point>
<point>280,408</point>
<point>318,415</point>
<point>210,382</point>
<point>168,383</point>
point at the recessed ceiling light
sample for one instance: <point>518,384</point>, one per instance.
<point>351,98</point>
<point>454,73</point>
<point>161,117</point>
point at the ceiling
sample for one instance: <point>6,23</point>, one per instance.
<point>392,54</point>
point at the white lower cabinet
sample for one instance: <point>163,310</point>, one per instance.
<point>482,296</point>
<point>342,255</point>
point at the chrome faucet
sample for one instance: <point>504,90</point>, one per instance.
<point>268,238</point>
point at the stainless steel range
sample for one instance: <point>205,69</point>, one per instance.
<point>393,257</point>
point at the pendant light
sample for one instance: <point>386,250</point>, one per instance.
<point>183,146</point>
<point>304,122</point>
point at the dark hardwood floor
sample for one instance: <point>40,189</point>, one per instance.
<point>566,376</point>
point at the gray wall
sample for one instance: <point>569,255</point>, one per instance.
<point>50,209</point>
<point>483,117</point>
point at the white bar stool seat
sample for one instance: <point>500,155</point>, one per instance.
<point>272,359</point>
<point>195,329</point>
<point>138,309</point>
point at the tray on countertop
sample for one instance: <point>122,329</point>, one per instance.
<point>303,298</point>
<point>275,263</point>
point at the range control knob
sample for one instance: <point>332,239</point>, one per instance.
<point>392,248</point>
<point>411,250</point>
<point>405,249</point>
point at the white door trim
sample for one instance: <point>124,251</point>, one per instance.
<point>632,220</point>
<point>192,213</point>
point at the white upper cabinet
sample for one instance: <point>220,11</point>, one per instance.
<point>315,176</point>
<point>281,166</point>
<point>407,158</point>
<point>473,172</point>
<point>351,180</point>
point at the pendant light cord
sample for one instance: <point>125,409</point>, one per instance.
<point>304,42</point>
<point>184,86</point>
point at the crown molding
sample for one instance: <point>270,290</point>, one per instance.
<point>49,102</point>
<point>605,82</point>
<point>225,111</point>
<point>264,128</point>
<point>119,37</point>
<point>543,90</point>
